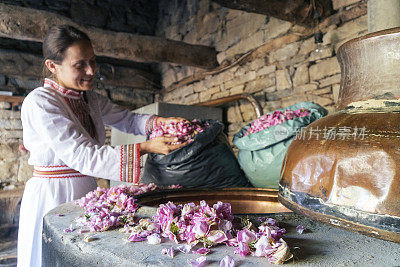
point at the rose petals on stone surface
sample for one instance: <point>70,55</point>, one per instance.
<point>69,229</point>
<point>110,208</point>
<point>246,236</point>
<point>201,251</point>
<point>282,254</point>
<point>168,251</point>
<point>136,238</point>
<point>261,246</point>
<point>242,249</point>
<point>199,262</point>
<point>216,237</point>
<point>201,228</point>
<point>184,248</point>
<point>227,262</point>
<point>185,224</point>
<point>300,229</point>
<point>224,225</point>
<point>154,239</point>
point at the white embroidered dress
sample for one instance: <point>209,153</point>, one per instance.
<point>67,157</point>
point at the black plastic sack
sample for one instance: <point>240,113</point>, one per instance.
<point>207,162</point>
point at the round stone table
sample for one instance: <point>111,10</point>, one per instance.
<point>320,245</point>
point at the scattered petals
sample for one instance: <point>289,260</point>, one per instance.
<point>184,248</point>
<point>201,261</point>
<point>169,251</point>
<point>242,249</point>
<point>246,236</point>
<point>202,251</point>
<point>82,231</point>
<point>135,238</point>
<point>216,237</point>
<point>300,229</point>
<point>282,254</point>
<point>227,262</point>
<point>185,224</point>
<point>111,208</point>
<point>154,239</point>
<point>69,229</point>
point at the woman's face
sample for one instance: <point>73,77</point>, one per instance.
<point>77,69</point>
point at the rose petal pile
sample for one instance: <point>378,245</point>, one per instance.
<point>275,118</point>
<point>187,225</point>
<point>110,208</point>
<point>192,224</point>
<point>184,130</point>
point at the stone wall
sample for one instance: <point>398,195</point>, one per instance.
<point>14,169</point>
<point>271,59</point>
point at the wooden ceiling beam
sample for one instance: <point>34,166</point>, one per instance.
<point>14,64</point>
<point>295,11</point>
<point>32,24</point>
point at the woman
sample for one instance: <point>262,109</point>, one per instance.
<point>63,128</point>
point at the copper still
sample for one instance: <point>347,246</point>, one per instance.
<point>344,169</point>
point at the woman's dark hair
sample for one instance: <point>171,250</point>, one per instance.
<point>57,41</point>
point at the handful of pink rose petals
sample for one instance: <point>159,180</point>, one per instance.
<point>277,117</point>
<point>184,130</point>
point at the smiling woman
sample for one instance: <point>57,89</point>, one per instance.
<point>77,69</point>
<point>63,129</point>
<point>69,57</point>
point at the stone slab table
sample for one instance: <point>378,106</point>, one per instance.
<point>320,245</point>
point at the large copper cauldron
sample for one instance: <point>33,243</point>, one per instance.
<point>344,169</point>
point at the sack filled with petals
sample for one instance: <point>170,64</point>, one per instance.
<point>206,161</point>
<point>263,143</point>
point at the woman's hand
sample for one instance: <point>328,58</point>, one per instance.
<point>161,145</point>
<point>161,120</point>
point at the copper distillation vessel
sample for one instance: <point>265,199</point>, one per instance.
<point>344,169</point>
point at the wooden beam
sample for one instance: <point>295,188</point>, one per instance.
<point>32,24</point>
<point>13,63</point>
<point>295,11</point>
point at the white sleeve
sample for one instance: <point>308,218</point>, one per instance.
<point>121,118</point>
<point>50,119</point>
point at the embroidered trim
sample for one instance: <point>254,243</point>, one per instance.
<point>61,89</point>
<point>54,166</point>
<point>122,166</point>
<point>81,111</point>
<point>131,163</point>
<point>137,164</point>
<point>59,171</point>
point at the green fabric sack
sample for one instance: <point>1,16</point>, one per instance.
<point>261,154</point>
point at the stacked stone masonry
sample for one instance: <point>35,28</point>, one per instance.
<point>288,73</point>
